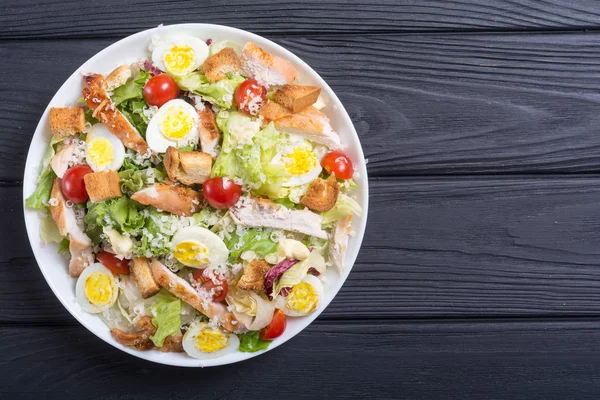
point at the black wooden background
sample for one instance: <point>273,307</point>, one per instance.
<point>479,275</point>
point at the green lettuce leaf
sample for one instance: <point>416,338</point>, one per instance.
<point>251,342</point>
<point>167,317</point>
<point>147,245</point>
<point>120,214</point>
<point>89,117</point>
<point>298,271</point>
<point>345,205</point>
<point>63,246</point>
<point>48,230</point>
<point>252,240</point>
<point>129,99</point>
<point>39,199</point>
<point>219,93</point>
<point>135,180</point>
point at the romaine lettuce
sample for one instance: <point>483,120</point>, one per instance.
<point>120,214</point>
<point>129,100</point>
<point>39,199</point>
<point>252,240</point>
<point>345,205</point>
<point>167,319</point>
<point>219,93</point>
<point>251,342</point>
<point>297,272</point>
<point>135,180</point>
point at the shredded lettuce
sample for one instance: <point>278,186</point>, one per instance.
<point>297,272</point>
<point>251,342</point>
<point>120,214</point>
<point>219,93</point>
<point>345,205</point>
<point>39,199</point>
<point>167,319</point>
<point>134,180</point>
<point>129,99</point>
<point>48,230</point>
<point>148,244</point>
<point>252,240</point>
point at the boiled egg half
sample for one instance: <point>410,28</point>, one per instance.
<point>103,150</point>
<point>304,298</point>
<point>198,247</point>
<point>174,124</point>
<point>205,342</point>
<point>301,162</point>
<point>96,289</point>
<point>180,54</point>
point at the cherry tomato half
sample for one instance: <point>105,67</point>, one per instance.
<point>249,96</point>
<point>338,164</point>
<point>73,185</point>
<point>275,327</point>
<point>208,283</point>
<point>159,89</point>
<point>221,192</point>
<point>113,263</point>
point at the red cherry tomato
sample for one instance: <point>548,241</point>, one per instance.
<point>221,192</point>
<point>208,283</point>
<point>73,185</point>
<point>338,164</point>
<point>275,327</point>
<point>111,262</point>
<point>249,96</point>
<point>159,89</point>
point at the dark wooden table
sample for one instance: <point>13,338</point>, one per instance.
<point>479,276</point>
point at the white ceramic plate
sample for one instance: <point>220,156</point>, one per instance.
<point>54,266</point>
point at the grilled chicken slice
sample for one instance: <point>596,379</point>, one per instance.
<point>80,245</point>
<point>97,99</point>
<point>258,212</point>
<point>209,132</point>
<point>60,161</point>
<point>183,290</point>
<point>339,241</point>
<point>267,69</point>
<point>311,124</point>
<point>175,199</point>
<point>140,340</point>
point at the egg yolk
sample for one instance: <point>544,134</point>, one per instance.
<point>211,340</point>
<point>191,253</point>
<point>98,289</point>
<point>303,298</point>
<point>176,124</point>
<point>100,152</point>
<point>180,60</point>
<point>300,161</point>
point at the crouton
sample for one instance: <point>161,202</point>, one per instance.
<point>117,78</point>
<point>272,111</point>
<point>175,199</point>
<point>297,97</point>
<point>217,66</point>
<point>140,270</point>
<point>321,195</point>
<point>253,277</point>
<point>66,121</point>
<point>102,185</point>
<point>267,69</point>
<point>97,99</point>
<point>209,132</point>
<point>188,167</point>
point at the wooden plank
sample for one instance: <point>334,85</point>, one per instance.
<point>437,247</point>
<point>432,104</point>
<point>46,18</point>
<point>391,359</point>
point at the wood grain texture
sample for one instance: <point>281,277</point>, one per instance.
<point>47,18</point>
<point>434,247</point>
<point>433,104</point>
<point>386,360</point>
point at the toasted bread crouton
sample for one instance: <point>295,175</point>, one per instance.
<point>217,66</point>
<point>175,199</point>
<point>140,270</point>
<point>311,124</point>
<point>297,97</point>
<point>188,167</point>
<point>97,99</point>
<point>272,111</point>
<point>209,132</point>
<point>66,121</point>
<point>253,277</point>
<point>184,291</point>
<point>267,69</point>
<point>321,195</point>
<point>102,185</point>
<point>118,77</point>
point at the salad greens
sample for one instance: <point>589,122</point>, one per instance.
<point>167,319</point>
<point>219,93</point>
<point>251,342</point>
<point>129,99</point>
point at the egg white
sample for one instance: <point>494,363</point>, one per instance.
<point>217,252</point>
<point>154,136</point>
<point>318,286</point>
<point>190,348</point>
<point>296,180</point>
<point>164,44</point>
<point>80,289</point>
<point>99,131</point>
